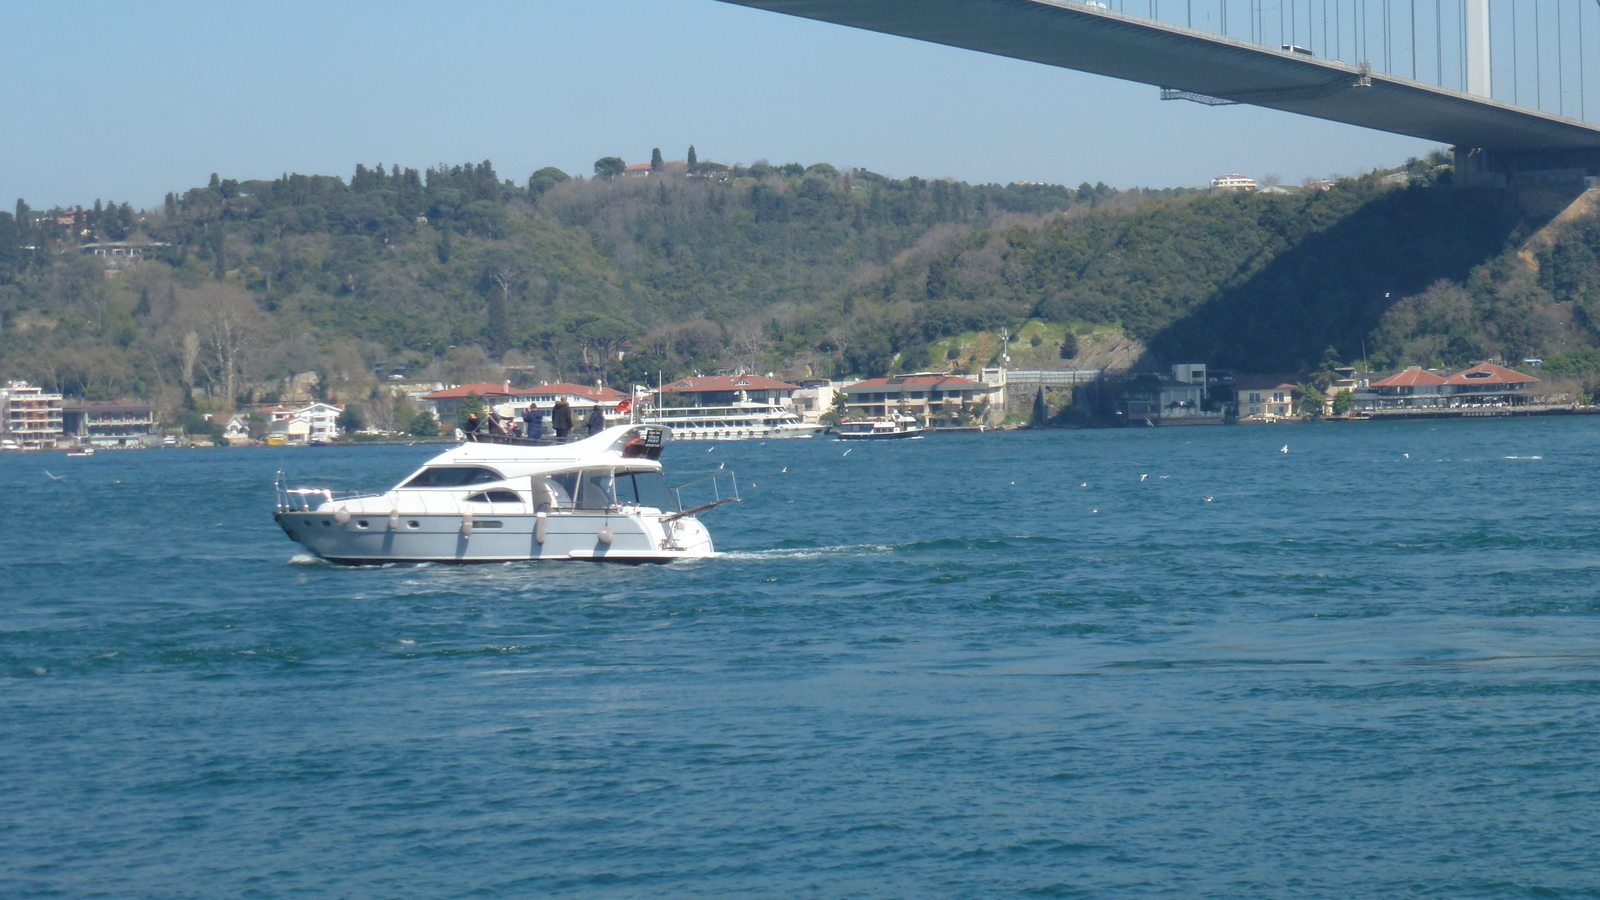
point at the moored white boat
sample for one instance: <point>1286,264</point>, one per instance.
<point>884,428</point>
<point>740,421</point>
<point>498,499</point>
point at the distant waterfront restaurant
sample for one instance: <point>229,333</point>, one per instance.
<point>1484,386</point>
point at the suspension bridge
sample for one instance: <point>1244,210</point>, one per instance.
<point>1503,82</point>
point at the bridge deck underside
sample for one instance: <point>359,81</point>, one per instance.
<point>1071,35</point>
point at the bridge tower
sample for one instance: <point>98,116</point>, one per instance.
<point>1478,82</point>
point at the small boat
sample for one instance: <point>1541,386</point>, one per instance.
<point>897,427</point>
<point>81,451</point>
<point>9,444</point>
<point>497,498</point>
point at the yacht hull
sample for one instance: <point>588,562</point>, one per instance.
<point>375,539</point>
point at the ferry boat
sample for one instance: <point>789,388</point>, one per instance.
<point>740,421</point>
<point>896,427</point>
<point>81,451</point>
<point>497,499</point>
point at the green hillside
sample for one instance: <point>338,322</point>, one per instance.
<point>447,272</point>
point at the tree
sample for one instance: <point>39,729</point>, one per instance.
<point>1343,402</point>
<point>1069,346</point>
<point>692,159</point>
<point>423,426</point>
<point>545,179</point>
<point>349,420</point>
<point>472,406</point>
<point>657,164</point>
<point>608,167</point>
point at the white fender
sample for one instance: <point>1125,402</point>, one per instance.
<point>394,520</point>
<point>342,516</point>
<point>605,535</point>
<point>541,525</point>
<point>466,523</point>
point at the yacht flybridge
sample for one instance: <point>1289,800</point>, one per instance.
<point>496,499</point>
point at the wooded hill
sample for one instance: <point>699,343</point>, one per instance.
<point>792,269</point>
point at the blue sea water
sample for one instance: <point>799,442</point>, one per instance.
<point>973,665</point>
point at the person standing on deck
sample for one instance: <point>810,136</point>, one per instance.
<point>597,420</point>
<point>533,422</point>
<point>561,418</point>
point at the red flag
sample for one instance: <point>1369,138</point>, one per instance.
<point>625,405</point>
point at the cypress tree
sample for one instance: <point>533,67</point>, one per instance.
<point>692,159</point>
<point>656,162</point>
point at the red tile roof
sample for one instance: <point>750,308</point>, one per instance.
<point>1489,373</point>
<point>1412,377</point>
<point>482,389</point>
<point>601,394</point>
<point>704,384</point>
<point>916,382</point>
<point>499,392</point>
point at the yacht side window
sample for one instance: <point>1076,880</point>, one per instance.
<point>562,485</point>
<point>452,476</point>
<point>494,497</point>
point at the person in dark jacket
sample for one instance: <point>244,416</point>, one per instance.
<point>471,424</point>
<point>597,420</point>
<point>561,418</point>
<point>533,422</point>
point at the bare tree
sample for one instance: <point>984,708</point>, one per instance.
<point>228,325</point>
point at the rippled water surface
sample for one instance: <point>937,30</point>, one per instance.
<point>965,666</point>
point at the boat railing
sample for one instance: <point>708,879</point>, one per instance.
<point>307,499</point>
<point>705,493</point>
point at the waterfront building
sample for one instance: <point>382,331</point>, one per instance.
<point>1264,399</point>
<point>30,416</point>
<point>721,390</point>
<point>108,423</point>
<point>1483,386</point>
<point>235,427</point>
<point>446,403</point>
<point>926,395</point>
<point>301,425</point>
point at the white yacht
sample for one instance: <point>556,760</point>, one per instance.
<point>741,421</point>
<point>886,428</point>
<point>496,499</point>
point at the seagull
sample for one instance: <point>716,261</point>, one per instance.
<point>1085,484</point>
<point>1406,455</point>
<point>1284,449</point>
<point>55,477</point>
<point>1208,499</point>
<point>711,448</point>
<point>1143,477</point>
<point>784,471</point>
<point>847,453</point>
<point>720,466</point>
<point>1095,510</point>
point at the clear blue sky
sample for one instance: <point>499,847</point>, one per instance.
<point>126,102</point>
